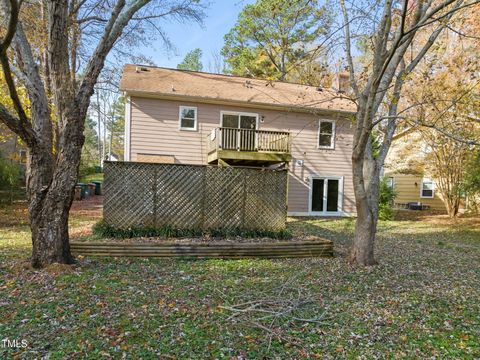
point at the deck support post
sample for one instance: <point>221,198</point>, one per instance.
<point>223,163</point>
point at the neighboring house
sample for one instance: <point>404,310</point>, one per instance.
<point>185,117</point>
<point>13,159</point>
<point>415,188</point>
<point>405,171</point>
<point>12,150</point>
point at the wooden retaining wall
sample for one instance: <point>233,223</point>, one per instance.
<point>194,197</point>
<point>318,248</point>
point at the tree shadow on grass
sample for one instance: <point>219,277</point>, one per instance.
<point>338,230</point>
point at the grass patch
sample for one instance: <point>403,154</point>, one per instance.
<point>420,302</point>
<point>92,177</point>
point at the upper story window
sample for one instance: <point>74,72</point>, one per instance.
<point>188,118</point>
<point>428,188</point>
<point>326,134</point>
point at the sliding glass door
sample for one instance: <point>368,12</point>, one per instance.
<point>239,131</point>
<point>325,195</point>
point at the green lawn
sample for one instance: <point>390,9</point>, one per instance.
<point>92,177</point>
<point>421,301</point>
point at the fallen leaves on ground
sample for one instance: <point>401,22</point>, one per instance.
<point>421,301</point>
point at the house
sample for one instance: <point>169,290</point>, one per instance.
<point>186,117</point>
<point>12,149</point>
<point>13,159</point>
<point>405,169</point>
<point>415,188</point>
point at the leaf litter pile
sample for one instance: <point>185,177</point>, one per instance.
<point>421,301</point>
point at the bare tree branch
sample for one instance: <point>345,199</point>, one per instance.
<point>29,75</point>
<point>447,14</point>
<point>12,24</point>
<point>462,34</point>
<point>348,46</point>
<point>447,133</point>
<point>22,125</point>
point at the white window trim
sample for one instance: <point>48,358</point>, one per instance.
<point>421,188</point>
<point>334,130</point>
<point>308,213</point>
<point>239,113</point>
<point>181,108</point>
<point>128,133</point>
<point>393,181</point>
<point>339,211</point>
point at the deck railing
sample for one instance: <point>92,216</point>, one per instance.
<point>248,140</point>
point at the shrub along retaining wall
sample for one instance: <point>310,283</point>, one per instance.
<point>194,197</point>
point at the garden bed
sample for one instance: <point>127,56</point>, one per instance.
<point>206,248</point>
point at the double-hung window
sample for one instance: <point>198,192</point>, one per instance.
<point>326,134</point>
<point>188,118</point>
<point>428,188</point>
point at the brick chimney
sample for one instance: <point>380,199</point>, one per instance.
<point>342,81</point>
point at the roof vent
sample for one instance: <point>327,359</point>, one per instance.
<point>141,68</point>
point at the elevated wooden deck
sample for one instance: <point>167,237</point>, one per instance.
<point>284,249</point>
<point>232,146</point>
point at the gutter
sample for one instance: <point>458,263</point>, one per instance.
<point>302,109</point>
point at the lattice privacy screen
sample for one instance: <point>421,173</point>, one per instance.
<point>188,196</point>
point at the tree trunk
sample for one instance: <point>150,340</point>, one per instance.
<point>452,203</point>
<point>51,188</point>
<point>366,186</point>
<point>49,226</point>
<point>362,251</point>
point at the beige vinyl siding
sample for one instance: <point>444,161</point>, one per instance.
<point>162,159</point>
<point>155,130</point>
<point>317,162</point>
<point>407,191</point>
